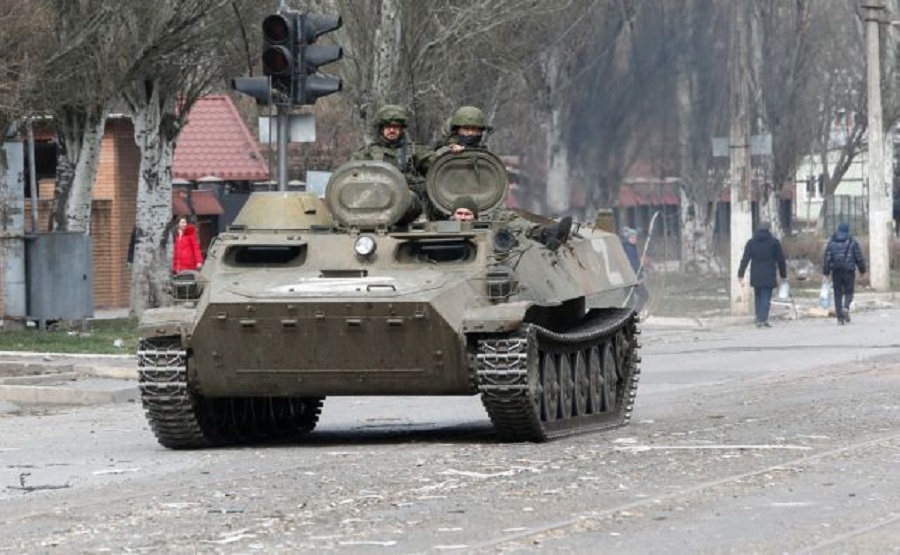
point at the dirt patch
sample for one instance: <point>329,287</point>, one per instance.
<point>675,294</point>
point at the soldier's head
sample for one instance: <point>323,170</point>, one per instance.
<point>469,124</point>
<point>465,209</point>
<point>390,121</point>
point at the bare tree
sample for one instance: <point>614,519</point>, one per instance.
<point>21,58</point>
<point>701,110</point>
<point>432,57</point>
<point>621,108</point>
<point>813,98</point>
<point>79,87</point>
<point>177,58</point>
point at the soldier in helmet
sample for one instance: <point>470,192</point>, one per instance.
<point>468,126</point>
<point>391,145</point>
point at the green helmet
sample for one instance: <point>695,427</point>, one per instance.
<point>390,113</point>
<point>468,116</point>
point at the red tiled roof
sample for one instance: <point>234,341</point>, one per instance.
<point>215,141</point>
<point>204,203</point>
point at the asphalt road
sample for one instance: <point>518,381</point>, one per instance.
<point>744,440</point>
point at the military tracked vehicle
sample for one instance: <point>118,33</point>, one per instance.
<point>297,302</point>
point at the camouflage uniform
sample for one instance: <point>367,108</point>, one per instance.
<point>411,159</point>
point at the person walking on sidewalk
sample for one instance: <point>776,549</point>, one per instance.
<point>764,254</point>
<point>842,258</point>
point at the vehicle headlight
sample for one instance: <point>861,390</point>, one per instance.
<point>504,240</point>
<point>364,245</point>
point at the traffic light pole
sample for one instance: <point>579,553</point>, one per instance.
<point>284,120</point>
<point>290,60</point>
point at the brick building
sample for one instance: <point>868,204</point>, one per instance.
<point>214,152</point>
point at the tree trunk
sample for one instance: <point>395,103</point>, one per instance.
<point>741,220</point>
<point>81,191</point>
<point>154,204</point>
<point>694,255</point>
<point>698,254</point>
<point>768,209</point>
<point>387,48</point>
<point>80,136</point>
<point>557,153</point>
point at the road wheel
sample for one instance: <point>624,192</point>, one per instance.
<point>550,383</point>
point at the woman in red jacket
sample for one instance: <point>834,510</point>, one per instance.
<point>187,249</point>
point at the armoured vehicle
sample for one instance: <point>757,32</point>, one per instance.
<point>297,302</point>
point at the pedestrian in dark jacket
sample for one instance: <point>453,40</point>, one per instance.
<point>764,254</point>
<point>842,258</point>
<point>630,244</point>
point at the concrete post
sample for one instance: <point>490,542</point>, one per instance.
<point>12,235</point>
<point>880,193</point>
<point>741,217</point>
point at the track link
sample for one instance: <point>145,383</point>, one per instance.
<point>538,384</point>
<point>181,418</point>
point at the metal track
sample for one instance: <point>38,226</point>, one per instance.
<point>169,405</point>
<point>532,382</point>
<point>181,418</point>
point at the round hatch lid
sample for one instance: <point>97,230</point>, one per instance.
<point>474,172</point>
<point>367,194</point>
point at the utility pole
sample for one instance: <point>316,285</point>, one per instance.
<point>741,218</point>
<point>880,193</point>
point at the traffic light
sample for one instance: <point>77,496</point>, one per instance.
<point>310,86</point>
<point>290,60</point>
<point>279,53</point>
<point>257,87</point>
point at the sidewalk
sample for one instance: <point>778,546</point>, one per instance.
<point>65,379</point>
<point>793,309</point>
<point>40,379</point>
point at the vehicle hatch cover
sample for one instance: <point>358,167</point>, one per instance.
<point>474,172</point>
<point>367,193</point>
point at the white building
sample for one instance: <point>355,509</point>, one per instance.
<point>810,188</point>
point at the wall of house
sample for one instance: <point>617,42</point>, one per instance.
<point>116,182</point>
<point>112,214</point>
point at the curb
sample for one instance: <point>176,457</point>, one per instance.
<point>83,394</point>
<point>28,381</point>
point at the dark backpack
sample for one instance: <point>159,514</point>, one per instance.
<point>843,259</point>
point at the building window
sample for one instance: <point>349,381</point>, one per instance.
<point>45,153</point>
